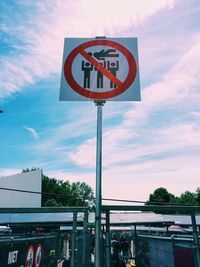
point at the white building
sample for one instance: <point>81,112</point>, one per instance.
<point>27,181</point>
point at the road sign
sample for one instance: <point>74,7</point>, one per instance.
<point>100,69</point>
<point>38,255</point>
<point>29,257</point>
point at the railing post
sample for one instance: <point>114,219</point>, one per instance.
<point>108,242</point>
<point>73,244</point>
<point>85,241</point>
<point>135,243</point>
<point>195,240</point>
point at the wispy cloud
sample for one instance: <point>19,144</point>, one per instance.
<point>32,131</point>
<point>173,91</point>
<point>44,28</point>
<point>177,86</point>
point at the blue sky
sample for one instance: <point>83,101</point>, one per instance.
<point>146,144</point>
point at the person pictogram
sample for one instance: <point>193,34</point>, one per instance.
<point>113,67</point>
<point>103,54</point>
<point>100,76</point>
<point>86,67</point>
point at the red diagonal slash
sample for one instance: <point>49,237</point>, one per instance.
<point>101,68</point>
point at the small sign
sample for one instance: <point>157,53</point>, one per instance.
<point>38,255</point>
<point>29,257</point>
<point>100,69</point>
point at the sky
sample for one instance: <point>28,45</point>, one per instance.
<point>146,144</point>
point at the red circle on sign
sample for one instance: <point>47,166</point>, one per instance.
<point>121,87</point>
<point>29,257</point>
<point>38,255</point>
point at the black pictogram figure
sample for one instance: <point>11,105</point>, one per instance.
<point>87,68</point>
<point>100,76</point>
<point>113,67</point>
<point>101,55</point>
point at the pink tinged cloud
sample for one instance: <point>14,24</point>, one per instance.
<point>43,35</point>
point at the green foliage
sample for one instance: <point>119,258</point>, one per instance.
<point>52,203</point>
<point>62,193</point>
<point>161,196</point>
<point>65,194</point>
<point>173,199</point>
<point>198,195</point>
<point>188,198</point>
<point>81,194</point>
<point>55,189</point>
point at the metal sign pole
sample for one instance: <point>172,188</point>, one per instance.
<point>98,249</point>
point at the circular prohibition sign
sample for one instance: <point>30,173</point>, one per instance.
<point>29,257</point>
<point>121,86</point>
<point>38,255</point>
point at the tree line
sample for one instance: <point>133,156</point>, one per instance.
<point>63,193</point>
<point>161,196</point>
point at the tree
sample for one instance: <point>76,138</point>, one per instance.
<point>52,203</point>
<point>188,198</point>
<point>198,195</point>
<point>160,197</point>
<point>81,194</point>
<point>62,193</point>
<point>66,194</point>
<point>55,189</point>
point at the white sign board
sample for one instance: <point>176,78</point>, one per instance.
<point>100,69</point>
